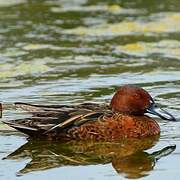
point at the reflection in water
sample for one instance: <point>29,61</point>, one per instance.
<point>75,51</point>
<point>127,156</point>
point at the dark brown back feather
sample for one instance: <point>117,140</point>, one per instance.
<point>49,118</point>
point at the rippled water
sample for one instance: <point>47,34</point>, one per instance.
<point>71,51</point>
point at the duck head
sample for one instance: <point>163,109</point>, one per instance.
<point>136,101</point>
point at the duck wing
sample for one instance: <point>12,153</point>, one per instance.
<point>47,119</point>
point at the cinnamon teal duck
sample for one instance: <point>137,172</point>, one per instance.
<point>124,117</point>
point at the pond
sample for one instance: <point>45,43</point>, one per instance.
<point>74,51</point>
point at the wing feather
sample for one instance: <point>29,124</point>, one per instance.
<point>50,118</point>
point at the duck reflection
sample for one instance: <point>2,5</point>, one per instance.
<point>127,156</point>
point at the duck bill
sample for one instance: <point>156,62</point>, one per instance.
<point>163,114</point>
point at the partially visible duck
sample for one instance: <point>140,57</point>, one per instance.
<point>124,117</point>
<point>1,110</point>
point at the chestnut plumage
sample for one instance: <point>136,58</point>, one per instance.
<point>124,117</point>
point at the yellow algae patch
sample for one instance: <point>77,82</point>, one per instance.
<point>174,17</point>
<point>133,47</point>
<point>107,8</point>
<point>31,68</point>
<point>106,29</point>
<point>5,74</point>
<point>114,8</point>
<point>155,27</point>
<point>168,22</point>
<point>169,48</point>
<point>30,47</point>
<point>13,52</point>
<point>175,52</point>
<point>34,47</point>
<point>23,69</point>
<point>123,28</point>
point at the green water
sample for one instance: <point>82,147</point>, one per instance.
<point>72,51</point>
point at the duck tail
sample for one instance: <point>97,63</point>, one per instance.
<point>24,129</point>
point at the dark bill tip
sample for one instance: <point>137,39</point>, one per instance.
<point>163,114</point>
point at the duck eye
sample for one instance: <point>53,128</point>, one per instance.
<point>151,100</point>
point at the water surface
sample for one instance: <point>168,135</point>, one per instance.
<point>74,51</point>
